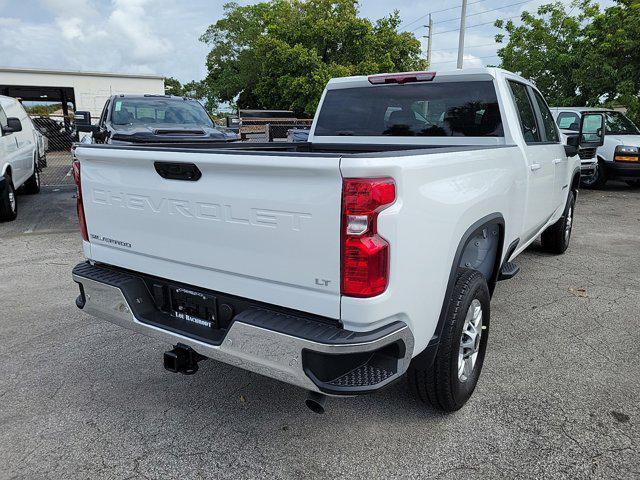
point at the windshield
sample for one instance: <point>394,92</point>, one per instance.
<point>464,109</point>
<point>146,111</point>
<point>618,124</point>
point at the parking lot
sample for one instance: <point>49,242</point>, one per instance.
<point>558,397</point>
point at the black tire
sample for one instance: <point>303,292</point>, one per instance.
<point>556,238</point>
<point>8,202</point>
<point>597,180</point>
<point>633,183</point>
<point>441,385</point>
<point>32,185</point>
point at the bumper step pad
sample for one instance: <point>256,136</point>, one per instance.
<point>363,376</point>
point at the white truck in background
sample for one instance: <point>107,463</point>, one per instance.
<point>618,158</point>
<point>343,263</point>
<point>19,156</point>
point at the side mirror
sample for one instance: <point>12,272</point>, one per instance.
<point>13,126</point>
<point>573,144</point>
<point>591,130</point>
<point>82,122</point>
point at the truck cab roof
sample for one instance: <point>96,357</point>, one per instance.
<point>467,74</point>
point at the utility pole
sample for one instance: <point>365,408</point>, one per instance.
<point>463,18</point>
<point>429,40</point>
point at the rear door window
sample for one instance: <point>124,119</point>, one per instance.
<point>550,132</point>
<point>447,109</point>
<point>526,113</point>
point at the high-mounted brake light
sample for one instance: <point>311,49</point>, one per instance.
<point>79,205</point>
<point>400,78</point>
<point>365,254</point>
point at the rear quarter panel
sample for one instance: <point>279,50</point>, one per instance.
<point>439,197</point>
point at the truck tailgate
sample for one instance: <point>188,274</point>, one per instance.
<point>262,226</point>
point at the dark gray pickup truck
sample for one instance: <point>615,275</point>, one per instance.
<point>145,119</point>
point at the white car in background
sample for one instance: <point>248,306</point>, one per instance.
<point>18,156</point>
<point>618,158</point>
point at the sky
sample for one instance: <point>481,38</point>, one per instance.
<point>161,36</point>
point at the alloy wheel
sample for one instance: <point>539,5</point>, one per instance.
<point>470,341</point>
<point>568,224</point>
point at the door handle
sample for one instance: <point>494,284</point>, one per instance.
<point>178,171</point>
<point>557,161</point>
<point>535,166</point>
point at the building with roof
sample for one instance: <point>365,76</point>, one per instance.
<point>74,90</point>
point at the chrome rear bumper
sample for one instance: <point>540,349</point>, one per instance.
<point>274,353</point>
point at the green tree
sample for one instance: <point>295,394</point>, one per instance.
<point>172,86</point>
<point>578,57</point>
<point>43,109</point>
<point>610,67</point>
<point>280,54</point>
<point>192,89</point>
<point>544,48</point>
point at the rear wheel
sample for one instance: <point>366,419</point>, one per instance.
<point>8,203</point>
<point>32,185</point>
<point>555,239</point>
<point>450,380</point>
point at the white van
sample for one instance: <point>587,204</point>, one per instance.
<point>18,156</point>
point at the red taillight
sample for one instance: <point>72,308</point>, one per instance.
<point>365,254</point>
<point>408,77</point>
<point>79,204</point>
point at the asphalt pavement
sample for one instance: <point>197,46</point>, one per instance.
<point>558,396</point>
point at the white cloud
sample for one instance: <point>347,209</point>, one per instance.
<point>129,25</point>
<point>128,36</point>
<point>70,27</point>
<point>161,36</point>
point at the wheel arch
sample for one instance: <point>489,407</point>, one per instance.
<point>483,242</point>
<point>6,169</point>
<point>575,181</point>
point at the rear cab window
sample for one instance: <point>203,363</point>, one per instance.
<point>425,109</point>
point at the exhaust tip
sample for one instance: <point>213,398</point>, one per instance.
<point>316,402</point>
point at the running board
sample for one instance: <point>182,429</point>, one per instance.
<point>509,270</point>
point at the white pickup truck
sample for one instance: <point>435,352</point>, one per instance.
<point>339,264</point>
<point>619,156</point>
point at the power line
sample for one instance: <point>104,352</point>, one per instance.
<point>474,58</point>
<point>406,24</point>
<point>485,11</point>
<point>477,24</point>
<point>468,46</point>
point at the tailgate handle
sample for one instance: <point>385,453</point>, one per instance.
<point>188,172</point>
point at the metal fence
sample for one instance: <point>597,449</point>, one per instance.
<point>55,137</point>
<point>274,131</point>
